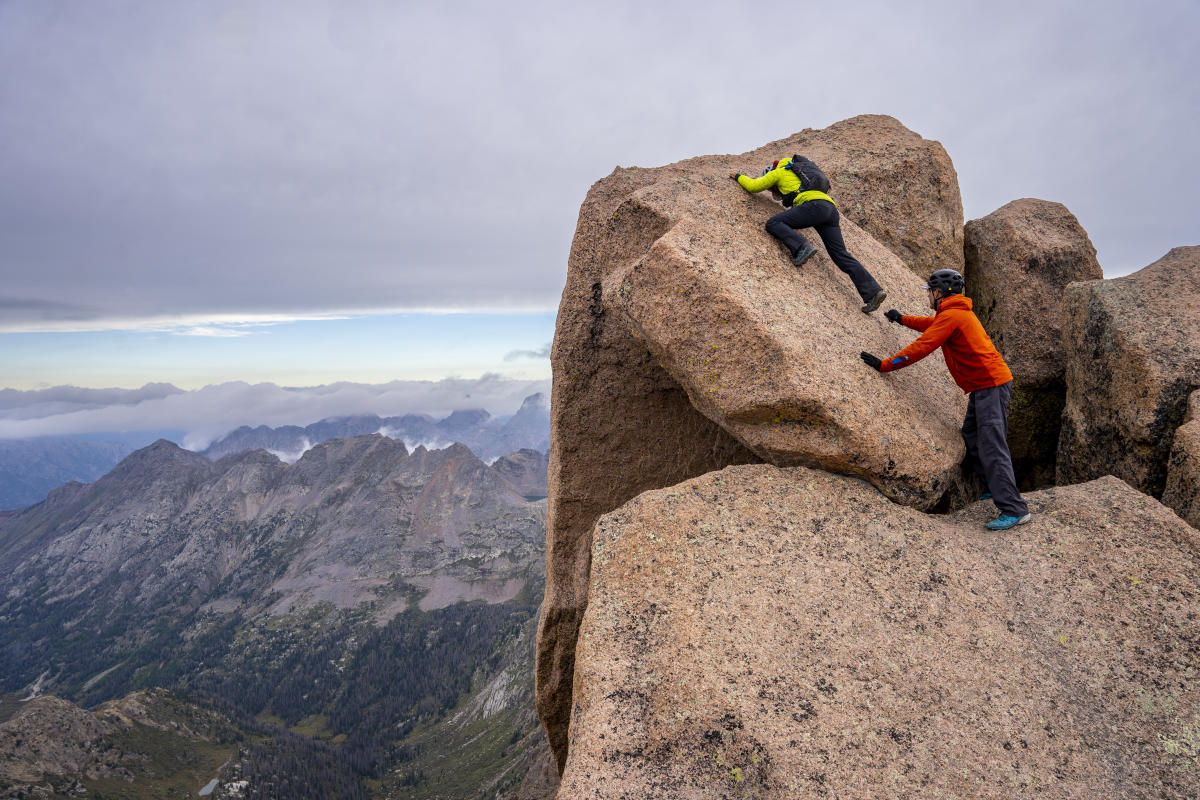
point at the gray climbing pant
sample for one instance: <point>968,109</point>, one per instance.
<point>985,432</point>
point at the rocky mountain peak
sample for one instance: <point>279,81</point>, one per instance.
<point>534,404</point>
<point>355,520</point>
<point>337,457</point>
<point>711,423</point>
<point>459,420</point>
<point>160,455</point>
<point>488,437</point>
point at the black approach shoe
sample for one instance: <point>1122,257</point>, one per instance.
<point>875,301</point>
<point>803,254</point>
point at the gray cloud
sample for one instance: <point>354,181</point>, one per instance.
<point>19,310</point>
<point>39,403</point>
<point>541,352</point>
<point>163,158</point>
<point>208,413</point>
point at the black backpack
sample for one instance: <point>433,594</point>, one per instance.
<point>810,175</point>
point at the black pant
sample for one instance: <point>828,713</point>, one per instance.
<point>822,215</point>
<point>985,432</point>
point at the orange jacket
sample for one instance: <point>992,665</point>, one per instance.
<point>970,355</point>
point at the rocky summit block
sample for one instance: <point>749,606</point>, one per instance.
<point>1182,492</point>
<point>628,369</point>
<point>1019,260</point>
<point>1133,356</point>
<point>770,352</point>
<point>783,633</point>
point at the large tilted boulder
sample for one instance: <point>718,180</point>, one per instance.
<point>1133,357</point>
<point>1182,492</point>
<point>770,352</point>
<point>621,423</point>
<point>783,633</point>
<point>1019,259</point>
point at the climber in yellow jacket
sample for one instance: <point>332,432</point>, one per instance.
<point>810,209</point>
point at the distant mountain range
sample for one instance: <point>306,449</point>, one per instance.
<point>488,437</point>
<point>31,468</point>
<point>354,616</point>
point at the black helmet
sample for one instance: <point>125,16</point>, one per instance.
<point>948,280</point>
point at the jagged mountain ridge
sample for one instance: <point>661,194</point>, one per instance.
<point>168,534</point>
<point>31,468</point>
<point>487,436</point>
<point>315,603</point>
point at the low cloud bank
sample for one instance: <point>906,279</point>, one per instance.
<point>209,413</point>
<point>541,352</point>
<point>17,404</point>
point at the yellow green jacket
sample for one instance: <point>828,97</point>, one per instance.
<point>785,181</point>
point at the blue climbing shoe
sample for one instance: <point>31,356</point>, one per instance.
<point>1006,521</point>
<point>986,496</point>
<point>803,254</point>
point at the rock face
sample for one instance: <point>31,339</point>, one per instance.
<point>1182,492</point>
<point>674,289</point>
<point>526,470</point>
<point>50,744</point>
<point>781,633</point>
<point>1019,259</point>
<point>1133,357</point>
<point>51,736</point>
<point>769,352</point>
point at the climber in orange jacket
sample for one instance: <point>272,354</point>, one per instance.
<point>980,371</point>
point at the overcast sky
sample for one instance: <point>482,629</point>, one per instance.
<point>175,163</point>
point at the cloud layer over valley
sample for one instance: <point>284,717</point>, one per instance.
<point>208,413</point>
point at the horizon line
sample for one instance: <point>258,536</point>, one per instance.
<point>182,323</point>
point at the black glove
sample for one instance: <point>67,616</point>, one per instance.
<point>870,360</point>
<point>894,316</point>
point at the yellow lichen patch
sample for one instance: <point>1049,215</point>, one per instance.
<point>1185,746</point>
